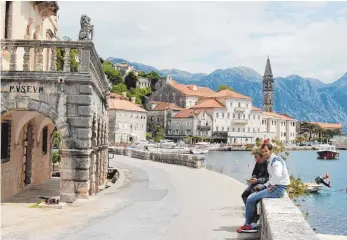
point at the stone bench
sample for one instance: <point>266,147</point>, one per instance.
<point>282,220</point>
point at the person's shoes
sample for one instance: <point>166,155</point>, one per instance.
<point>247,229</point>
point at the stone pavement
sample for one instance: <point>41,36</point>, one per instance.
<point>155,201</point>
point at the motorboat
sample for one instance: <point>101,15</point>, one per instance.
<point>313,187</point>
<point>327,152</point>
<point>201,148</point>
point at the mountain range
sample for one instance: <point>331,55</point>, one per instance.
<point>304,99</point>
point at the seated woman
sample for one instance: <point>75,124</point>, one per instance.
<point>259,177</point>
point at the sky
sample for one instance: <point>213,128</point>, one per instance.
<point>304,38</point>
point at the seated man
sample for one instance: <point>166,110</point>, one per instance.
<point>276,186</point>
<point>259,177</point>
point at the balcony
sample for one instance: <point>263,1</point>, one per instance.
<point>239,109</point>
<point>239,121</point>
<point>39,60</point>
<point>204,128</point>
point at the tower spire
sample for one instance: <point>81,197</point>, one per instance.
<point>268,71</point>
<point>268,88</point>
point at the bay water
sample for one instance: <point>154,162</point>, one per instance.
<point>327,209</point>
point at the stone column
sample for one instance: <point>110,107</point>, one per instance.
<point>74,178</point>
<point>92,173</point>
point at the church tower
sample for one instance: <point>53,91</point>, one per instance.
<point>268,88</point>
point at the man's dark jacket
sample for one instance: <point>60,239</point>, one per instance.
<point>260,172</point>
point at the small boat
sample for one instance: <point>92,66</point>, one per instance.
<point>313,187</point>
<point>327,151</point>
<point>201,148</point>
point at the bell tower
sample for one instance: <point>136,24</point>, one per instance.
<point>268,88</point>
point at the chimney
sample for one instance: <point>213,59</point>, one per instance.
<point>124,94</point>
<point>133,100</point>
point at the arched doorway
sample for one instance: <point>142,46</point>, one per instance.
<point>26,151</point>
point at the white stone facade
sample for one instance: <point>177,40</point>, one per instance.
<point>127,126</point>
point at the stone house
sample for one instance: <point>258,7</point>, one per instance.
<point>159,114</point>
<point>36,99</point>
<point>189,122</point>
<point>143,82</point>
<point>124,69</point>
<point>184,96</point>
<point>127,121</point>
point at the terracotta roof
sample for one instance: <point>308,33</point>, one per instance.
<point>120,104</point>
<point>208,103</point>
<point>256,109</point>
<point>193,90</point>
<point>328,125</point>
<point>273,114</point>
<point>165,105</point>
<point>230,93</point>
<point>187,113</point>
<point>117,96</point>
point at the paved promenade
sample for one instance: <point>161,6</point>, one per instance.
<point>155,201</point>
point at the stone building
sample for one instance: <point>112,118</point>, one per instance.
<point>159,114</point>
<point>36,98</point>
<point>189,122</point>
<point>124,69</point>
<point>127,121</point>
<point>184,96</point>
<point>143,82</point>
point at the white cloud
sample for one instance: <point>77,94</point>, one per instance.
<point>204,36</point>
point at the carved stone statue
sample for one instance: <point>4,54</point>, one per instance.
<point>86,32</point>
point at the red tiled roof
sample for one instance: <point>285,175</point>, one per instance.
<point>193,90</point>
<point>208,103</point>
<point>187,113</point>
<point>230,93</point>
<point>328,125</point>
<point>120,104</point>
<point>281,116</point>
<point>256,109</point>
<point>165,106</point>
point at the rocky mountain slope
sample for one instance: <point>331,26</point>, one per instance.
<point>302,98</point>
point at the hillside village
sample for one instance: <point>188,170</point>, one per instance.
<point>192,113</point>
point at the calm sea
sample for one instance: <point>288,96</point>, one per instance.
<point>327,210</point>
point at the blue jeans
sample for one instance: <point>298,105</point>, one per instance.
<point>254,198</point>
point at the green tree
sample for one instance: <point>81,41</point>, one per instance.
<point>139,93</point>
<point>73,62</point>
<point>223,87</point>
<point>119,88</point>
<point>148,136</point>
<point>113,75</point>
<point>159,134</point>
<point>56,139</point>
<point>300,139</point>
<point>131,80</point>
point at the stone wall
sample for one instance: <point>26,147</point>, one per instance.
<point>282,220</point>
<point>171,158</point>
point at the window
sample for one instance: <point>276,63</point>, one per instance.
<point>249,129</point>
<point>284,134</point>
<point>231,104</point>
<point>228,129</point>
<point>233,115</point>
<point>228,115</point>
<point>5,141</point>
<point>44,140</point>
<point>243,129</point>
<point>169,131</point>
<point>7,19</point>
<point>217,115</point>
<point>238,129</point>
<point>222,128</point>
<point>177,123</point>
<point>217,129</point>
<point>239,104</point>
<point>238,116</point>
<point>233,129</point>
<point>222,115</point>
<point>258,117</point>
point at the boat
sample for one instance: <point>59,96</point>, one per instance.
<point>201,148</point>
<point>326,151</point>
<point>165,143</point>
<point>313,187</point>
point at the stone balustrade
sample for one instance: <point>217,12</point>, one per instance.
<point>282,220</point>
<point>188,160</point>
<point>35,56</point>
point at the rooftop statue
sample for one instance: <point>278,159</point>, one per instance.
<point>86,32</point>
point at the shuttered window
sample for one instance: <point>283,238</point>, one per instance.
<point>44,140</point>
<point>5,141</point>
